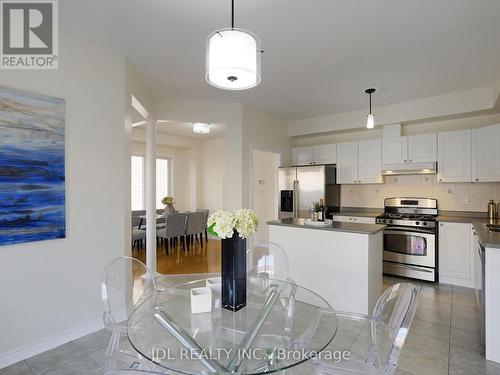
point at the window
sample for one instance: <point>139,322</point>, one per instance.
<point>162,180</point>
<point>138,177</point>
<point>137,183</point>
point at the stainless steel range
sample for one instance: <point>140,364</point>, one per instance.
<point>410,239</point>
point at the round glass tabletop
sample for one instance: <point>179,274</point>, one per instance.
<point>281,326</point>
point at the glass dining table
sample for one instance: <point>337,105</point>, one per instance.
<point>282,325</point>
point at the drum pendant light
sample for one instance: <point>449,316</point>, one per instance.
<point>233,58</point>
<point>370,119</point>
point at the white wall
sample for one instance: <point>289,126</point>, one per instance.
<point>229,114</point>
<point>211,173</point>
<point>423,127</point>
<point>457,103</point>
<point>265,132</point>
<point>50,289</point>
<point>264,191</point>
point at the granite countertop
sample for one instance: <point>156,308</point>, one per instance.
<point>336,226</point>
<point>477,219</point>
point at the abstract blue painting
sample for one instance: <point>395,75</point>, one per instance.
<point>32,183</point>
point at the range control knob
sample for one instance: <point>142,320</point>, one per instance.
<point>424,223</point>
<point>384,221</point>
<point>417,223</point>
<point>390,221</point>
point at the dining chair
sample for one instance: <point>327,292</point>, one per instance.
<point>268,260</point>
<point>138,237</point>
<point>175,228</point>
<point>377,349</point>
<point>125,282</point>
<point>206,212</point>
<point>194,226</point>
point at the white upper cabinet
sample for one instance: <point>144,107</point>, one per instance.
<point>422,148</point>
<point>411,149</point>
<point>347,163</point>
<point>454,156</point>
<point>302,155</point>
<point>394,150</point>
<point>370,161</point>
<point>321,154</point>
<point>325,154</point>
<point>486,154</point>
<point>359,162</point>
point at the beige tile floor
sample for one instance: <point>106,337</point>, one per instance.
<point>443,340</point>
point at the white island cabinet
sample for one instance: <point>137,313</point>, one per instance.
<point>342,262</point>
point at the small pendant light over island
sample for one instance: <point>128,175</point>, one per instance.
<point>370,119</point>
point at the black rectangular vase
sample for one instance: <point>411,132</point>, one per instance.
<point>234,272</point>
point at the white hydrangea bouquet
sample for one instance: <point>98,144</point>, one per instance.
<point>223,223</point>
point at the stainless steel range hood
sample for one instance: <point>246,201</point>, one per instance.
<point>408,168</point>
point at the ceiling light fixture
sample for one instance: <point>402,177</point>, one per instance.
<point>370,119</point>
<point>233,58</point>
<point>201,128</point>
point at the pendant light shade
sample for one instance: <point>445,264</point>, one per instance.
<point>233,59</point>
<point>370,119</point>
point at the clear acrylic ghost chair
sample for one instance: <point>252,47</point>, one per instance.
<point>131,371</point>
<point>377,349</point>
<point>267,260</point>
<point>125,282</point>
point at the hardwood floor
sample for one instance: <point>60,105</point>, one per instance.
<point>196,260</point>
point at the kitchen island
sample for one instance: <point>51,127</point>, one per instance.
<point>342,262</point>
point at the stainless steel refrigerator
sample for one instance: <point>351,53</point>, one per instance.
<point>301,186</point>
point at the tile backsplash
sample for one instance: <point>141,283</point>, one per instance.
<point>451,196</point>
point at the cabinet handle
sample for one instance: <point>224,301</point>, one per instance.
<point>406,161</point>
<point>411,161</point>
<point>440,225</point>
<point>477,179</point>
<point>439,180</point>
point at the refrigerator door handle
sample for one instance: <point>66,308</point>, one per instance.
<point>295,199</point>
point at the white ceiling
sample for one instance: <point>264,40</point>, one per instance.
<point>185,129</point>
<point>319,54</point>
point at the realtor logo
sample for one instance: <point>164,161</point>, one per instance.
<point>29,37</point>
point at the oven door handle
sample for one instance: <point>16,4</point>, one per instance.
<point>404,230</point>
<point>408,267</point>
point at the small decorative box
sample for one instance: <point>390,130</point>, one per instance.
<point>201,300</point>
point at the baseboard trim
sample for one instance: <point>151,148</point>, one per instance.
<point>51,342</point>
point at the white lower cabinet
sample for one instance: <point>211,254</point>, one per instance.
<point>455,254</point>
<point>354,219</point>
